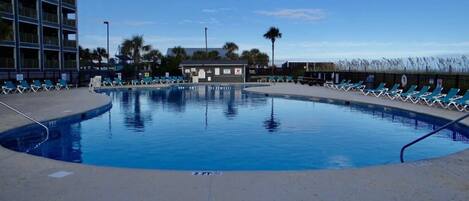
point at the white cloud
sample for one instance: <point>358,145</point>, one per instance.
<point>202,21</point>
<point>216,10</point>
<point>137,23</point>
<point>296,14</point>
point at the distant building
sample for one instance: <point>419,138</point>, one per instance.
<point>309,66</point>
<point>190,51</point>
<point>215,70</point>
<point>42,40</point>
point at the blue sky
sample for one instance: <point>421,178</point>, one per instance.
<point>312,29</point>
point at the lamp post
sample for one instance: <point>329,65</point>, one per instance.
<point>107,29</point>
<point>206,43</point>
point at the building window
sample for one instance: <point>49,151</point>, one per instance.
<point>217,71</point>
<point>187,70</point>
<point>227,71</point>
<point>238,71</point>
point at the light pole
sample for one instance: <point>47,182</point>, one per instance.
<point>107,29</point>
<point>206,43</point>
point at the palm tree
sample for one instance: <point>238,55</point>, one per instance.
<point>231,48</point>
<point>135,48</point>
<point>153,56</point>
<point>272,34</point>
<point>85,55</point>
<point>255,57</point>
<point>98,54</point>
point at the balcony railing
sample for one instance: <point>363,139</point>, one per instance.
<point>30,63</point>
<point>70,64</point>
<point>51,40</point>
<point>6,7</point>
<point>7,63</point>
<point>28,12</point>
<point>28,38</point>
<point>52,64</point>
<point>70,22</point>
<point>7,37</point>
<point>70,43</point>
<point>50,17</point>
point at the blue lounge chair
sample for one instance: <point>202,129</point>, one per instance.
<point>9,87</point>
<point>289,79</point>
<point>342,84</point>
<point>394,91</point>
<point>36,86</point>
<point>445,99</point>
<point>118,82</point>
<point>181,79</point>
<point>427,98</point>
<point>357,86</point>
<point>62,84</point>
<point>417,95</point>
<point>23,86</point>
<point>280,79</point>
<point>134,82</point>
<point>156,80</point>
<point>146,81</point>
<point>107,81</point>
<point>272,79</point>
<point>408,93</point>
<point>378,91</point>
<point>48,85</point>
<point>461,103</point>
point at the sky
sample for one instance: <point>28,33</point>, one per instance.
<point>315,30</point>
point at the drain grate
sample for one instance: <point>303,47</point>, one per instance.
<point>206,173</point>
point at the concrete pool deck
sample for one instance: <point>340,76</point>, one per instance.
<point>26,177</point>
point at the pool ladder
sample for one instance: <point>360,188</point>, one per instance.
<point>31,119</point>
<point>430,134</point>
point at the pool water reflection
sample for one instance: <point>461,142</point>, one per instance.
<point>214,128</point>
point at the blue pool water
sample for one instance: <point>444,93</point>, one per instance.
<point>206,128</point>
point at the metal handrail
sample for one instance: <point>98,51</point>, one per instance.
<point>430,134</point>
<point>31,119</point>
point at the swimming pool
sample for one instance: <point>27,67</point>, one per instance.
<point>224,128</point>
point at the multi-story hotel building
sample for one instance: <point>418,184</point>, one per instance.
<point>42,38</point>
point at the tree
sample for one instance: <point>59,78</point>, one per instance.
<point>272,34</point>
<point>85,56</point>
<point>199,55</point>
<point>153,56</point>
<point>179,52</point>
<point>255,57</point>
<point>135,48</point>
<point>98,55</point>
<point>231,48</point>
<point>213,55</point>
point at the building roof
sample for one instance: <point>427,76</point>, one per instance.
<point>190,51</point>
<point>213,62</point>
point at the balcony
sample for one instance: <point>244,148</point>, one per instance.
<point>6,7</point>
<point>70,64</point>
<point>28,12</point>
<point>52,64</point>
<point>50,17</point>
<point>51,40</point>
<point>7,63</point>
<point>30,63</point>
<point>70,43</point>
<point>70,22</point>
<point>70,2</point>
<point>28,38</point>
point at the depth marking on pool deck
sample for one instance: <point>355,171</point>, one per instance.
<point>60,174</point>
<point>206,173</point>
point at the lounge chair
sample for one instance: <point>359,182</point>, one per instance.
<point>118,82</point>
<point>357,86</point>
<point>342,84</point>
<point>461,103</point>
<point>107,81</point>
<point>62,84</point>
<point>23,86</point>
<point>289,79</point>
<point>445,99</point>
<point>134,82</point>
<point>272,79</point>
<point>394,91</point>
<point>280,79</point>
<point>48,85</point>
<point>429,97</point>
<point>146,81</point>
<point>407,94</point>
<point>9,87</point>
<point>181,79</point>
<point>156,80</point>
<point>36,86</point>
<point>422,92</point>
<point>378,91</point>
